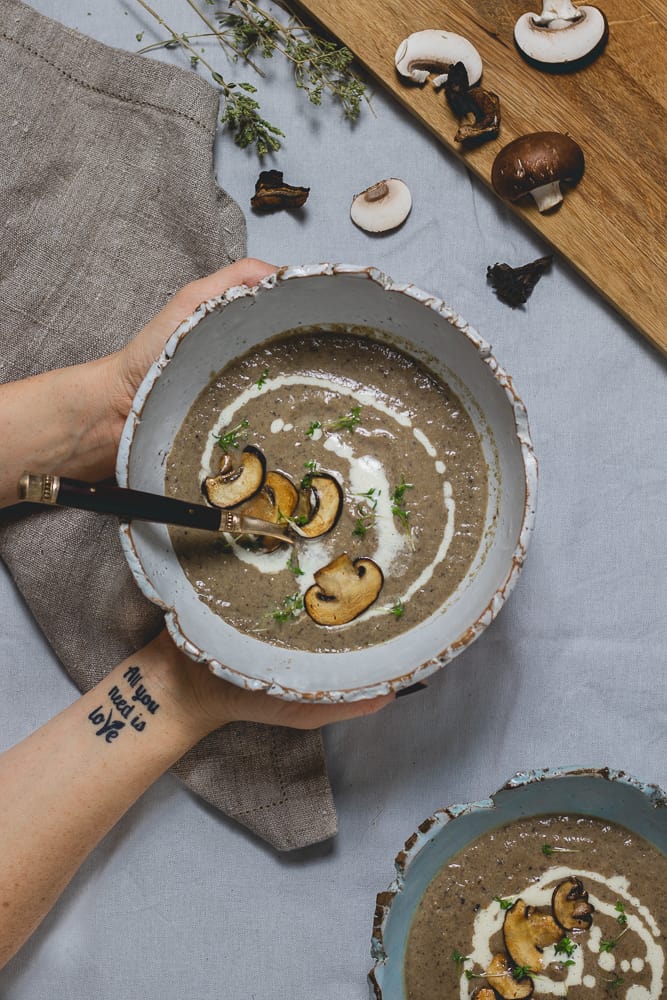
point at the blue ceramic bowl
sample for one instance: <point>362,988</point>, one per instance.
<point>602,793</point>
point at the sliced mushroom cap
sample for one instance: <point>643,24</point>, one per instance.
<point>501,977</point>
<point>322,503</point>
<point>526,932</point>
<point>483,993</point>
<point>536,164</point>
<point>342,590</point>
<point>563,37</point>
<point>382,206</point>
<point>436,51</point>
<point>276,502</point>
<point>234,485</point>
<point>570,905</point>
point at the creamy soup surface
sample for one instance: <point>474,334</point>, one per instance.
<point>398,441</point>
<point>458,925</point>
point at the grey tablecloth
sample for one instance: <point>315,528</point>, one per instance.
<point>180,902</point>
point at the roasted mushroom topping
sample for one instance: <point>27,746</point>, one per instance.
<point>272,193</point>
<point>276,502</point>
<point>382,206</point>
<point>527,931</point>
<point>500,975</point>
<point>563,37</point>
<point>483,993</point>
<point>478,110</point>
<point>320,507</point>
<point>232,486</point>
<point>432,50</point>
<point>342,590</point>
<point>536,164</point>
<point>570,905</point>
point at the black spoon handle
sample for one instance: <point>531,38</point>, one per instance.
<point>128,504</point>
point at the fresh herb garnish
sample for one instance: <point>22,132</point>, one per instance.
<point>230,439</point>
<point>315,426</point>
<point>312,468</point>
<point>289,608</point>
<point>504,904</point>
<point>318,65</point>
<point>348,422</point>
<point>549,849</point>
<point>398,609</point>
<point>458,957</point>
<point>620,909</point>
<point>398,508</point>
<point>566,946</point>
<point>261,381</point>
<point>622,920</point>
<point>366,511</point>
<point>521,971</point>
<point>294,567</point>
<point>613,984</point>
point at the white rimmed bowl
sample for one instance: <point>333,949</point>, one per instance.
<point>404,317</point>
<point>602,793</point>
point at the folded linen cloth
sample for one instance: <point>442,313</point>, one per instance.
<point>109,204</point>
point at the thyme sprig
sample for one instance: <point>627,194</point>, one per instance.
<point>319,66</point>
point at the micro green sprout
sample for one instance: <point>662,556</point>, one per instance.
<point>230,439</point>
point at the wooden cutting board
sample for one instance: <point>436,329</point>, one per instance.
<point>613,226</point>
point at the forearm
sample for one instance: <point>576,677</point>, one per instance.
<point>62,422</point>
<point>65,786</point>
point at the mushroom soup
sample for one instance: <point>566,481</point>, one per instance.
<point>553,906</point>
<point>373,461</point>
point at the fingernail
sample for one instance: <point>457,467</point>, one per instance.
<point>410,690</point>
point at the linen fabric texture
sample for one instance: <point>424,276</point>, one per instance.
<point>109,204</point>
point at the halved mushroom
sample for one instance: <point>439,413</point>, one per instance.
<point>526,932</point>
<point>342,590</point>
<point>563,37</point>
<point>570,905</point>
<point>500,975</point>
<point>276,502</point>
<point>320,506</point>
<point>234,485</point>
<point>536,164</point>
<point>433,50</point>
<point>382,206</point>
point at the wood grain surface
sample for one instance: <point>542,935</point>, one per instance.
<point>612,226</point>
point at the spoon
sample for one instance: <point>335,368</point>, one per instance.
<point>134,504</point>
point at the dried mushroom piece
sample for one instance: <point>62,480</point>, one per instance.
<point>234,485</point>
<point>343,590</point>
<point>500,975</point>
<point>570,905</point>
<point>276,502</point>
<point>478,110</point>
<point>320,506</point>
<point>526,932</point>
<point>272,193</point>
<point>514,285</point>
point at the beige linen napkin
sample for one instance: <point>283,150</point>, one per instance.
<point>108,204</point>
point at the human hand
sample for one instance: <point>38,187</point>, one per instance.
<point>205,702</point>
<point>129,365</point>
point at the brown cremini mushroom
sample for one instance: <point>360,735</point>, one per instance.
<point>382,206</point>
<point>570,905</point>
<point>500,975</point>
<point>536,164</point>
<point>343,590</point>
<point>526,932</point>
<point>234,485</point>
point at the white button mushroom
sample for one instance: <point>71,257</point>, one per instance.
<point>382,206</point>
<point>562,36</point>
<point>434,51</point>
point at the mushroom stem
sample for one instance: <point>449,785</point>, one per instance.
<point>376,191</point>
<point>547,196</point>
<point>557,10</point>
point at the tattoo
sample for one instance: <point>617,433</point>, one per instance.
<point>130,706</point>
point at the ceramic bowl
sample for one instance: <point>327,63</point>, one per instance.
<point>601,793</point>
<point>404,317</point>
